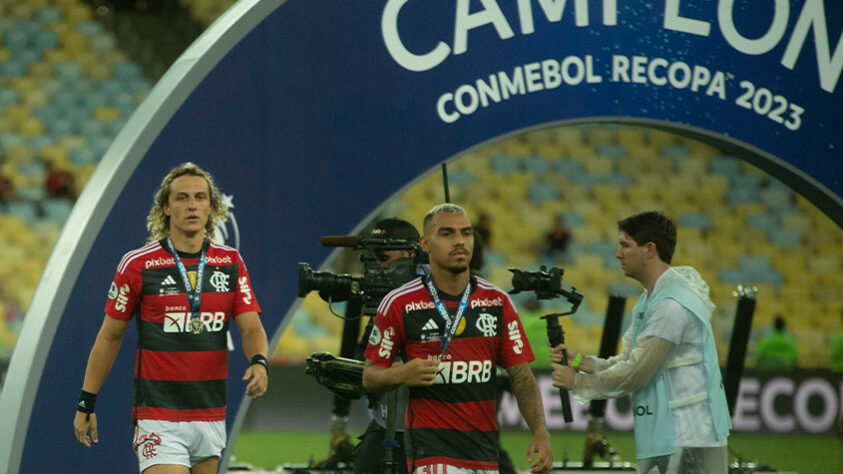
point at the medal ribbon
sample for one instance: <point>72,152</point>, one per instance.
<point>193,295</point>
<point>451,325</point>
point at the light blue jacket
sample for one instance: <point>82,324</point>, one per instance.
<point>654,434</point>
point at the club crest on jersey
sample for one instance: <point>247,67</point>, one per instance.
<point>487,324</point>
<point>219,281</point>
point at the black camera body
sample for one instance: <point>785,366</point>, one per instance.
<point>546,284</point>
<point>341,375</point>
<point>375,283</point>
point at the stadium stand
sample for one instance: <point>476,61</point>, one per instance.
<point>737,225</point>
<point>67,88</point>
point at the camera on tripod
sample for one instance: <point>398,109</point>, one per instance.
<point>376,281</point>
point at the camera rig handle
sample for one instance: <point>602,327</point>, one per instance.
<point>547,284</point>
<point>556,336</point>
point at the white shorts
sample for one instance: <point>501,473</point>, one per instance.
<point>185,443</point>
<point>446,469</point>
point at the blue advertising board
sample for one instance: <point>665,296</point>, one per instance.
<point>311,113</point>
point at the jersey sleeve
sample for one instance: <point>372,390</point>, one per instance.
<point>387,336</point>
<point>123,294</point>
<point>515,348</point>
<point>244,300</point>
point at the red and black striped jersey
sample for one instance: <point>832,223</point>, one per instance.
<point>180,375</point>
<point>453,421</point>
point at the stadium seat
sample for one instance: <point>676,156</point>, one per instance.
<point>785,237</point>
<point>573,219</point>
<point>541,192</point>
<point>538,165</point>
<point>746,195</point>
<point>48,14</point>
<point>504,164</point>
<point>695,220</point>
<point>12,68</point>
<point>456,177</point>
<point>764,222</point>
<point>26,210</point>
<point>88,28</point>
<point>619,179</point>
<point>725,165</point>
<point>83,156</point>
<point>33,193</point>
<point>611,151</point>
<point>8,97</point>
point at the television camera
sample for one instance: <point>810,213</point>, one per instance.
<point>376,281</point>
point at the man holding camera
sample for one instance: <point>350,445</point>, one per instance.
<point>369,454</point>
<point>668,361</point>
<point>453,330</point>
<point>183,289</point>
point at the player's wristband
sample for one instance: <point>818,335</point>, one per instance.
<point>260,359</point>
<point>87,402</point>
<point>577,361</point>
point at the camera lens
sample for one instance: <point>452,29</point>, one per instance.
<point>330,286</point>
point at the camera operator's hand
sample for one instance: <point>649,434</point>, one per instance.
<point>563,376</point>
<point>556,353</point>
<point>420,372</point>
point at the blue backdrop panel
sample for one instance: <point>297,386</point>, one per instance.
<point>311,123</point>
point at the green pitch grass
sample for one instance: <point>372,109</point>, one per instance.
<point>804,454</point>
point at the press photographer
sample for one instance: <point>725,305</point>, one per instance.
<point>392,258</point>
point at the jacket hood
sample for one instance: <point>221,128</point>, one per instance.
<point>690,278</point>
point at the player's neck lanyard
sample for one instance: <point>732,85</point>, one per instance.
<point>194,295</point>
<point>451,325</point>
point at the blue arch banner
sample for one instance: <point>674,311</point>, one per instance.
<point>310,114</point>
